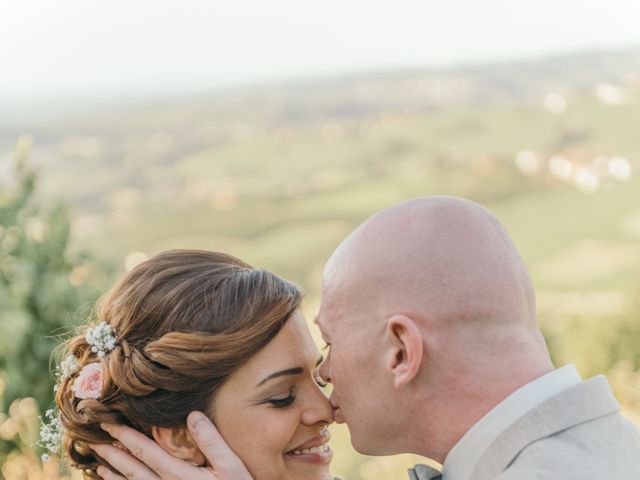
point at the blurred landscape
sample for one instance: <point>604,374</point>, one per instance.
<point>279,174</point>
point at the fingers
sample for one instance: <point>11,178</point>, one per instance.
<point>130,468</point>
<point>148,461</point>
<point>107,474</point>
<point>225,463</point>
<point>152,463</point>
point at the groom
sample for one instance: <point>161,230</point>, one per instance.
<point>429,312</point>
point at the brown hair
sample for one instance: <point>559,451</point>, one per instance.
<point>185,320</point>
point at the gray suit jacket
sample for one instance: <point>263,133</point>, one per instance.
<point>578,434</point>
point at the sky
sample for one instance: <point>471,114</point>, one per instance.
<point>66,48</point>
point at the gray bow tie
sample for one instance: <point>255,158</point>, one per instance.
<point>422,472</point>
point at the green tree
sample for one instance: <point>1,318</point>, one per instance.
<point>43,287</point>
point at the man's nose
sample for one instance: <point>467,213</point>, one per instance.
<point>325,370</point>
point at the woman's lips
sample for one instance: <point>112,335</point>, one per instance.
<point>320,455</point>
<point>315,451</point>
<point>323,437</point>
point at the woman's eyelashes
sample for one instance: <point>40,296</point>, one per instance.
<point>291,397</point>
<point>283,402</point>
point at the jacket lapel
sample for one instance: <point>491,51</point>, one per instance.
<point>586,401</point>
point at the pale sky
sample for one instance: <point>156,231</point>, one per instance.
<point>104,47</point>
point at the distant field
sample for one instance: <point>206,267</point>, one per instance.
<point>283,198</point>
<point>280,176</point>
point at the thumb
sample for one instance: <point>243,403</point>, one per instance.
<point>225,463</point>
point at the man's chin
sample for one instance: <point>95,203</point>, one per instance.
<point>361,447</point>
<point>367,443</point>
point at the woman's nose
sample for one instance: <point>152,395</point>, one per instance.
<point>318,410</point>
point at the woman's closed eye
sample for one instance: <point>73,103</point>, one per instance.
<point>283,400</point>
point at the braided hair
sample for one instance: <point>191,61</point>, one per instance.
<point>185,320</point>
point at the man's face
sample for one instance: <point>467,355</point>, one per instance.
<point>354,366</point>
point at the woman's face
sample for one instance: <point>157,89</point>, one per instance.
<point>272,411</point>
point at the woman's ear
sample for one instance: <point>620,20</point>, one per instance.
<point>407,349</point>
<point>178,443</point>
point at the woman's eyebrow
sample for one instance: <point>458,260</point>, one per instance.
<point>288,371</point>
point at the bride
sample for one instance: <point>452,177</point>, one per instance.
<point>192,330</point>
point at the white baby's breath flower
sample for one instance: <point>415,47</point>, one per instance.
<point>66,368</point>
<point>51,433</point>
<point>102,339</point>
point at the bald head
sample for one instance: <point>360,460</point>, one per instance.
<point>429,305</point>
<point>444,258</point>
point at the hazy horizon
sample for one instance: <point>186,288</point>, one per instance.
<point>73,49</point>
<point>18,111</point>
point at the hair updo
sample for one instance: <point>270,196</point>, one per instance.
<point>185,320</point>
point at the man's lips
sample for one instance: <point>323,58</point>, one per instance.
<point>337,413</point>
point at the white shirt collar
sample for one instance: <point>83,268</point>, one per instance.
<point>463,457</point>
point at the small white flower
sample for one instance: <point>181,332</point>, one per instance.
<point>67,367</point>
<point>51,433</point>
<point>101,338</point>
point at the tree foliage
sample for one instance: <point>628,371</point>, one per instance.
<point>42,285</point>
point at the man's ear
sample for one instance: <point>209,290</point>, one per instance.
<point>407,349</point>
<point>178,443</point>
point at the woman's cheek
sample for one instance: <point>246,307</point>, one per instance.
<point>266,433</point>
<point>278,428</point>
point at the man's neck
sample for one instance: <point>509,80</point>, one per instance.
<point>472,402</point>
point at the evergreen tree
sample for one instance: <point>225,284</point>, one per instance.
<point>43,286</point>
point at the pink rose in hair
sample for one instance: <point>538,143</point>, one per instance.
<point>89,382</point>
